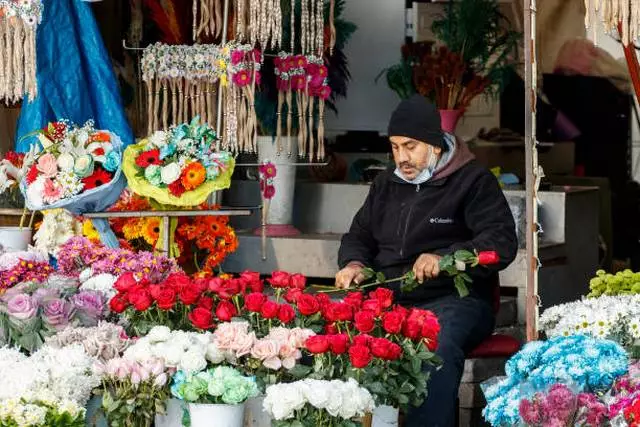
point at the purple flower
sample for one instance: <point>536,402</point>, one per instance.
<point>90,306</point>
<point>56,312</point>
<point>22,307</point>
<point>42,294</point>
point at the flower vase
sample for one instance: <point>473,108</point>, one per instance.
<point>95,416</point>
<point>210,415</point>
<point>254,415</point>
<point>172,416</point>
<point>449,120</point>
<point>13,239</point>
<point>279,221</point>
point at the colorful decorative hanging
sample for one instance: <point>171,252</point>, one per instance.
<point>613,13</point>
<point>181,83</point>
<point>240,122</point>
<point>208,18</point>
<point>18,23</point>
<point>259,22</point>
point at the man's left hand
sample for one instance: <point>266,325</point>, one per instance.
<point>427,267</point>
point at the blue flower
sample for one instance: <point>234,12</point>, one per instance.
<point>112,161</point>
<point>167,150</point>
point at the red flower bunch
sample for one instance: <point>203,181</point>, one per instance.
<point>632,414</point>
<point>373,339</point>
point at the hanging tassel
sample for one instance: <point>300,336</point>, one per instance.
<point>30,63</point>
<point>18,61</point>
<point>310,132</point>
<point>165,105</point>
<point>8,65</point>
<point>279,123</point>
<point>174,102</point>
<point>321,153</point>
<point>219,18</point>
<point>332,26</point>
<point>289,120</point>
<point>149,84</point>
<point>3,47</point>
<point>194,10</point>
<point>179,83</point>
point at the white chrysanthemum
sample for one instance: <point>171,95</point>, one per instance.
<point>158,139</point>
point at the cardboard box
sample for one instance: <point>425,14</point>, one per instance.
<point>555,158</point>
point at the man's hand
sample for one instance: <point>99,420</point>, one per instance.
<point>352,273</point>
<point>427,267</point>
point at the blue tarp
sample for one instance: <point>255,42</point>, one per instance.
<point>75,77</point>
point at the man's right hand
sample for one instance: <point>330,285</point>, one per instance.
<point>352,273</point>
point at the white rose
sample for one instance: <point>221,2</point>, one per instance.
<point>320,395</point>
<point>159,334</point>
<point>214,355</point>
<point>139,351</point>
<point>171,354</point>
<point>66,162</point>
<point>282,400</point>
<point>335,404</point>
<point>170,173</point>
<point>192,361</point>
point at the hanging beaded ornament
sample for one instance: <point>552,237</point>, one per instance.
<point>18,23</point>
<point>207,19</point>
<point>264,25</point>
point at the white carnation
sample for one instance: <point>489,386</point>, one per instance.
<point>214,355</point>
<point>170,173</point>
<point>192,362</point>
<point>159,334</point>
<point>66,162</point>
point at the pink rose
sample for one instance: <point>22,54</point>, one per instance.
<point>279,334</point>
<point>226,334</point>
<point>265,349</point>
<point>298,337</point>
<point>48,165</point>
<point>289,355</point>
<point>243,343</point>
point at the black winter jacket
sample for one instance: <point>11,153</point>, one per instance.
<point>460,207</point>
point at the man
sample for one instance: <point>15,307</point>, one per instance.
<point>436,201</point>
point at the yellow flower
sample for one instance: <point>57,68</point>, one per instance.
<point>222,64</point>
<point>133,229</point>
<point>89,231</point>
<point>151,230</point>
<point>223,80</point>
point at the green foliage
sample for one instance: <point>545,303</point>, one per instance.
<point>622,283</point>
<point>477,30</point>
<point>400,79</point>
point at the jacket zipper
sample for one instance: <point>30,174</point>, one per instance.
<point>406,224</point>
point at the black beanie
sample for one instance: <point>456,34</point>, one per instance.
<point>417,118</point>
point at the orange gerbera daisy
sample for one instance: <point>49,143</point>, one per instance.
<point>193,175</point>
<point>228,243</point>
<point>214,225</point>
<point>213,260</point>
<point>189,231</point>
<point>151,230</point>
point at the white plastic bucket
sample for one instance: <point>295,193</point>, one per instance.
<point>385,416</point>
<point>255,415</point>
<point>172,416</point>
<point>208,415</point>
<point>13,239</point>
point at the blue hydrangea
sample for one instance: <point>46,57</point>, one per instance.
<point>587,363</point>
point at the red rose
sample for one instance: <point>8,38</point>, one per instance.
<point>189,295</point>
<point>330,329</point>
<point>178,281</point>
<point>323,300</point>
<point>373,305</point>
<point>365,321</point>
<point>286,313</point>
<point>360,356</point>
<point>205,302</point>
<point>155,290</point>
<point>125,282</point>
<point>292,295</point>
<point>308,305</point>
<point>118,303</point>
<point>380,348</point>
<point>280,279</point>
<point>140,299</point>
<point>401,310</point>
<point>362,340</point>
<point>338,343</point>
<point>253,281</point>
<point>354,299</point>
<point>298,281</point>
<point>201,318</point>
<point>395,352</point>
<point>432,345</point>
<point>253,302</point>
<point>412,329</point>
<point>338,312</point>
<point>392,322</point>
<point>166,298</point>
<point>317,344</point>
<point>430,328</point>
<point>215,284</point>
<point>225,311</point>
<point>230,288</point>
<point>488,258</point>
<point>384,297</point>
<point>269,309</point>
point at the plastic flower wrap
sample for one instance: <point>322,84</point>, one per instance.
<point>179,167</point>
<point>220,385</point>
<point>306,401</point>
<point>78,169</point>
<point>612,317</point>
<point>590,364</point>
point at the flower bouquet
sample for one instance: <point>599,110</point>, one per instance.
<point>215,394</point>
<point>178,167</point>
<point>318,403</point>
<point>78,169</point>
<point>133,392</point>
<point>29,313</point>
<point>12,169</point>
<point>40,413</point>
<point>624,398</point>
<point>590,364</point>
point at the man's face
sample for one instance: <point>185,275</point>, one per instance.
<point>411,156</point>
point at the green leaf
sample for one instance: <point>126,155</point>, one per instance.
<point>380,278</point>
<point>447,262</point>
<point>466,277</point>
<point>461,286</point>
<point>464,255</point>
<point>416,366</point>
<point>403,399</point>
<point>406,388</point>
<point>377,388</point>
<point>368,273</point>
<point>300,371</point>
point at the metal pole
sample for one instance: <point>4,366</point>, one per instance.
<point>532,172</point>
